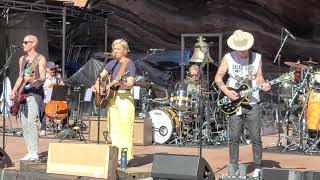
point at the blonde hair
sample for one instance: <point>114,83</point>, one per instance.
<point>123,43</point>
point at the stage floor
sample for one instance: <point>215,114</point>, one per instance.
<point>217,157</point>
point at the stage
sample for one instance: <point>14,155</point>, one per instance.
<point>217,157</point>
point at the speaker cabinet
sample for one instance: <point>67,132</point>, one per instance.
<point>280,174</point>
<point>180,167</point>
<point>311,175</point>
<point>93,160</point>
<point>142,132</point>
<point>5,160</point>
<point>93,129</point>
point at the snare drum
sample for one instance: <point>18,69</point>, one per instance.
<point>313,111</point>
<point>165,123</point>
<point>180,100</point>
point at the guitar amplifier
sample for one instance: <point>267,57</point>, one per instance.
<point>142,132</point>
<point>93,129</point>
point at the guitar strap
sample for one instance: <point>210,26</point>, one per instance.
<point>250,70</point>
<point>122,69</point>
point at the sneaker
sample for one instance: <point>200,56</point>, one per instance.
<point>256,173</point>
<point>43,133</point>
<point>26,157</point>
<point>30,157</point>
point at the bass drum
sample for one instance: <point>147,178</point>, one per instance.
<point>313,111</point>
<point>165,123</point>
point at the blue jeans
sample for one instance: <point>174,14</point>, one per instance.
<point>251,118</point>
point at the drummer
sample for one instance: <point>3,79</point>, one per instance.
<point>193,78</point>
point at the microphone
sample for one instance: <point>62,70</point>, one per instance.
<point>160,50</point>
<point>13,46</point>
<point>289,33</point>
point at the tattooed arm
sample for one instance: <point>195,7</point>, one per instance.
<point>42,72</point>
<point>222,70</point>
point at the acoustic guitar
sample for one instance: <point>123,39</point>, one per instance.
<point>244,91</point>
<point>109,93</point>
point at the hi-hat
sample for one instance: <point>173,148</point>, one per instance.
<point>296,65</point>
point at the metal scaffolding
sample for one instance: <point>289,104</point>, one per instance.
<point>97,16</point>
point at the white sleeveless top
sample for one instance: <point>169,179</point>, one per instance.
<point>238,71</point>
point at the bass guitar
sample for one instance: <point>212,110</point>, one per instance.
<point>106,84</point>
<point>14,109</point>
<point>244,91</point>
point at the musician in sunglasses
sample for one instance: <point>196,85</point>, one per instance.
<point>193,78</point>
<point>120,109</point>
<point>32,74</point>
<point>242,66</point>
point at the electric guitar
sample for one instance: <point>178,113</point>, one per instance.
<point>244,91</point>
<point>14,109</point>
<point>106,84</point>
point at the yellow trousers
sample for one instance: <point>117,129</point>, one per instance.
<point>121,113</point>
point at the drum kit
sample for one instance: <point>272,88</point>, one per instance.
<point>176,119</point>
<point>302,101</point>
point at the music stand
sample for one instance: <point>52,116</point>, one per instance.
<point>77,94</point>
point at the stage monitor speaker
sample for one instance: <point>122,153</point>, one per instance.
<point>311,175</point>
<point>280,174</point>
<point>5,160</point>
<point>180,167</point>
<point>93,160</point>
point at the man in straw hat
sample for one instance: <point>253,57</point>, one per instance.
<point>243,65</point>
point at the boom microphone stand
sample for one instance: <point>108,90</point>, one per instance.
<point>3,71</point>
<point>278,58</point>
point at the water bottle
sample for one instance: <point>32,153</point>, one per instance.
<point>123,160</point>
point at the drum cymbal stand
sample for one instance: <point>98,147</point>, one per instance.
<point>179,139</point>
<point>291,101</point>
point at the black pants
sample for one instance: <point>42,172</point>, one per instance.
<point>251,118</point>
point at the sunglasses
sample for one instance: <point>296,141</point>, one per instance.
<point>26,42</point>
<point>194,75</point>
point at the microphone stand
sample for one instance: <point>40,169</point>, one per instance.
<point>99,110</point>
<point>3,71</point>
<point>278,58</point>
<point>5,15</point>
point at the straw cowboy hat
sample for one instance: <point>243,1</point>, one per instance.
<point>240,40</point>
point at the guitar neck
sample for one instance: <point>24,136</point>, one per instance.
<point>252,90</point>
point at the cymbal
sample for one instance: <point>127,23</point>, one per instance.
<point>310,62</point>
<point>296,65</point>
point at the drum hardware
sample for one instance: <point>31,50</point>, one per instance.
<point>287,120</point>
<point>310,62</point>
